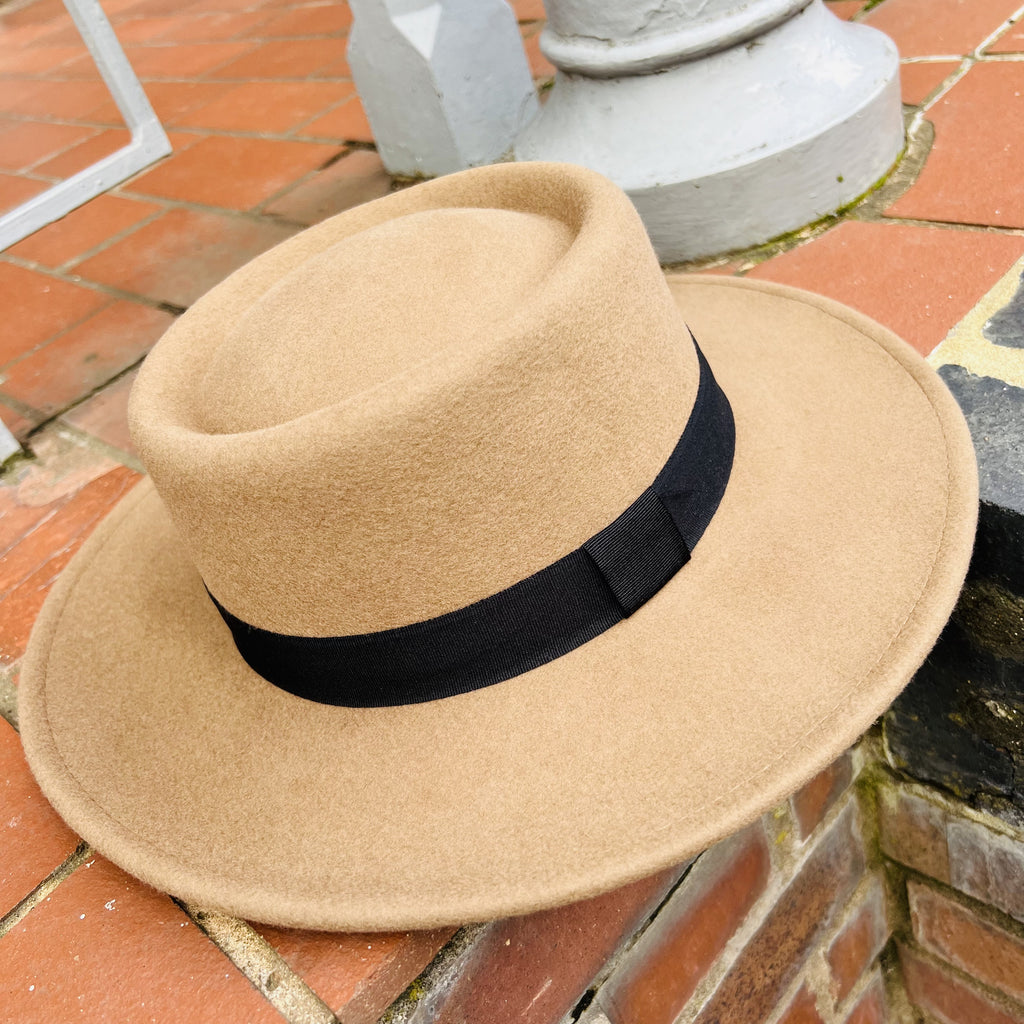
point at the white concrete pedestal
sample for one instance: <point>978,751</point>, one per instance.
<point>445,83</point>
<point>728,123</point>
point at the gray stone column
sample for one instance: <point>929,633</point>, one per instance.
<point>727,122</point>
<point>444,83</point>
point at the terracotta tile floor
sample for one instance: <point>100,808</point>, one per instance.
<point>268,137</point>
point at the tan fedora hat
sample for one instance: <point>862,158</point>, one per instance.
<point>381,435</point>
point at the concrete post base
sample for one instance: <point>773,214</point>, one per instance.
<point>444,83</point>
<point>730,144</point>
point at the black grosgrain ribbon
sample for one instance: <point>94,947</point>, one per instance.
<point>542,617</point>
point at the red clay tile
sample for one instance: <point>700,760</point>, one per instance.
<point>529,10</point>
<point>336,69</point>
<point>33,838</point>
<point>33,14</point>
<point>230,172</point>
<point>292,58</point>
<point>86,153</point>
<point>804,1007</point>
<point>144,30</point>
<point>358,976</point>
<point>977,947</point>
<point>845,9</point>
<point>174,60</point>
<point>211,28</point>
<point>86,357</point>
<point>973,173</point>
<point>104,947</point>
<point>82,68</point>
<point>37,306</point>
<point>918,281</point>
<point>947,997</point>
<point>182,254</point>
<point>919,81</point>
<point>15,189</point>
<point>540,66</point>
<point>920,29</point>
<point>319,20</point>
<point>663,970</point>
<point>82,229</point>
<point>170,100</point>
<point>811,803</point>
<point>1011,41</point>
<point>267,107</point>
<point>356,178</point>
<point>26,143</point>
<point>347,122</point>
<point>70,101</point>
<point>38,60</point>
<point>16,422</point>
<point>105,414</point>
<point>28,570</point>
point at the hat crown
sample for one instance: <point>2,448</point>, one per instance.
<point>356,434</point>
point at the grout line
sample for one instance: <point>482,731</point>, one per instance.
<point>999,31</point>
<point>8,698</point>
<point>21,910</point>
<point>264,967</point>
<point>966,64</point>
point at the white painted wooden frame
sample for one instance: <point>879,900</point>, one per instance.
<point>148,143</point>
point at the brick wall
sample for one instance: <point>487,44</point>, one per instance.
<point>785,923</point>
<point>957,887</point>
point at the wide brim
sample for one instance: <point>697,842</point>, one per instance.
<point>826,575</point>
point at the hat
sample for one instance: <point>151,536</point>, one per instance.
<point>542,596</point>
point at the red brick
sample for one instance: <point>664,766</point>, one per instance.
<point>86,357</point>
<point>899,273</point>
<point>29,567</point>
<point>919,81</point>
<point>534,969</point>
<point>182,254</point>
<point>234,173</point>
<point>772,958</point>
<point>25,143</point>
<point>86,153</point>
<point>291,58</point>
<point>856,947</point>
<point>540,66</point>
<point>105,414</point>
<point>802,1010</point>
<point>987,865</point>
<point>104,947</point>
<point>950,998</point>
<point>346,122</point>
<point>913,831</point>
<point>813,802</point>
<point>267,107</point>
<point>356,178</point>
<point>17,422</point>
<point>972,174</point>
<point>358,976</point>
<point>144,30</point>
<point>33,838</point>
<point>845,9</point>
<point>171,100</point>
<point>529,10</point>
<point>919,29</point>
<point>663,969</point>
<point>871,1007</point>
<point>977,947</point>
<point>82,229</point>
<point>37,306</point>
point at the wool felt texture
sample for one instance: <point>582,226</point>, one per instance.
<point>412,406</point>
